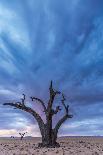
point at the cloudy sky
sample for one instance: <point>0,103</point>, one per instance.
<point>60,40</point>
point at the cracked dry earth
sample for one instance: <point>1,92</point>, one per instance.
<point>69,146</point>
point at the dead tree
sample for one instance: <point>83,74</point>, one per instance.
<point>22,135</point>
<point>48,133</point>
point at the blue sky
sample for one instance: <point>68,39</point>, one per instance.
<point>60,40</point>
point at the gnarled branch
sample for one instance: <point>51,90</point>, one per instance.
<point>61,121</point>
<point>18,105</point>
<point>56,110</point>
<point>65,117</point>
<point>63,103</point>
<point>22,100</point>
<point>39,100</point>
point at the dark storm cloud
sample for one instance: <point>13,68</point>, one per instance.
<point>58,40</point>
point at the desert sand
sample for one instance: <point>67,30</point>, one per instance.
<point>69,146</point>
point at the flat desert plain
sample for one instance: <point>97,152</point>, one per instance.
<point>69,146</point>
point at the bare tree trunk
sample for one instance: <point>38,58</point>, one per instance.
<point>49,139</point>
<point>21,138</point>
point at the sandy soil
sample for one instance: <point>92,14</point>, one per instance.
<point>69,146</point>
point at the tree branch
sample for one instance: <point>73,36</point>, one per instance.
<point>61,121</point>
<point>66,107</point>
<point>56,110</point>
<point>29,110</point>
<point>23,99</point>
<point>53,93</point>
<point>65,117</point>
<point>39,100</point>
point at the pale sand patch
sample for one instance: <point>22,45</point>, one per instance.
<point>69,146</point>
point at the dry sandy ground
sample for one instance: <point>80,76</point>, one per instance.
<point>69,146</point>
